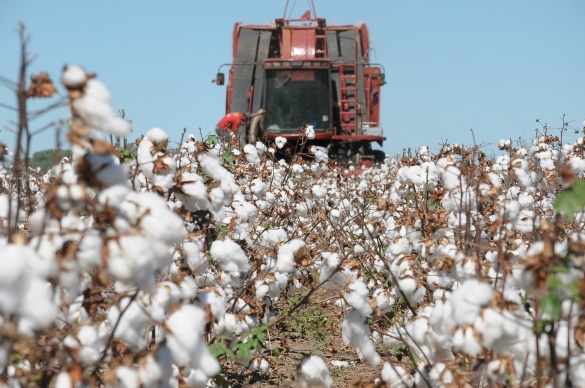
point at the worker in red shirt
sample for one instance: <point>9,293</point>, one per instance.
<point>235,122</point>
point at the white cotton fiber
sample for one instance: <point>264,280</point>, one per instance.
<point>73,76</point>
<point>186,327</point>
<point>229,255</point>
<point>313,373</point>
<point>285,261</point>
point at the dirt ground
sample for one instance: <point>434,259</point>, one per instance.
<point>315,330</point>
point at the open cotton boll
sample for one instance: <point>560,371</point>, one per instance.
<point>229,255</point>
<point>37,310</point>
<point>131,261</point>
<point>159,303</point>
<point>156,369</point>
<point>193,257</point>
<point>357,296</point>
<point>86,343</point>
<point>127,377</point>
<point>466,340</point>
<point>313,373</point>
<point>440,375</point>
<point>258,188</point>
<point>396,376</point>
<point>310,132</point>
<point>63,380</point>
<point>215,170</point>
<point>192,192</point>
<point>132,324</point>
<point>319,191</point>
<point>89,254</point>
<point>280,141</point>
<point>164,177</point>
<point>73,76</point>
<point>452,179</point>
<point>158,221</point>
<point>107,168</point>
<point>384,299</point>
<point>95,109</point>
<point>186,327</point>
<point>468,299</point>
<point>356,332</point>
<point>23,293</point>
<point>252,154</point>
<point>287,253</point>
<point>329,266</point>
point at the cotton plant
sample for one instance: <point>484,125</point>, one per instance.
<point>447,255</point>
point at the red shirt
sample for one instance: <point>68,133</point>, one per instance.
<point>231,121</point>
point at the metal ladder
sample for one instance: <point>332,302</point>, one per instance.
<point>348,104</point>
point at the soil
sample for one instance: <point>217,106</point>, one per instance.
<point>287,344</point>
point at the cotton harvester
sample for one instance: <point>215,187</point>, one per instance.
<point>304,72</point>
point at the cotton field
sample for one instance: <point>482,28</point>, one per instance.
<point>156,269</point>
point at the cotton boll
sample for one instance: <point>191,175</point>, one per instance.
<point>63,380</point>
<point>496,371</point>
<point>229,255</point>
<point>468,299</point>
<point>452,179</point>
<point>357,296</point>
<point>186,327</point>
<point>396,376</point>
<point>131,261</point>
<point>384,300</point>
<point>156,368</point>
<point>252,154</point>
<point>440,375</point>
<point>287,254</point>
<point>356,332</point>
<point>194,259</point>
<point>95,108</point>
<point>329,266</point>
<point>260,364</point>
<point>86,343</point>
<point>319,191</point>
<point>280,141</point>
<point>464,339</point>
<point>164,177</point>
<point>216,299</point>
<point>89,254</point>
<point>73,76</point>
<point>37,309</point>
<point>271,237</point>
<point>106,168</point>
<point>131,325</point>
<point>159,222</point>
<point>128,377</point>
<point>313,373</point>
<point>411,290</point>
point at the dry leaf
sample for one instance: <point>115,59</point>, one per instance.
<point>41,86</point>
<point>102,147</point>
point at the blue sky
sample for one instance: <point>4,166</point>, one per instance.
<point>451,66</point>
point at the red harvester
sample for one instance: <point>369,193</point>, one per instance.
<point>305,72</point>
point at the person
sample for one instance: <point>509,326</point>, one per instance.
<point>235,122</point>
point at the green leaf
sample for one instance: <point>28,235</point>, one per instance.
<point>560,268</point>
<point>539,327</point>
<point>551,305</point>
<point>221,381</point>
<point>554,282</point>
<point>212,139</point>
<point>572,200</point>
<point>574,289</point>
<point>228,156</point>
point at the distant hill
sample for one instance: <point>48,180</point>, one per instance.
<point>47,158</point>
